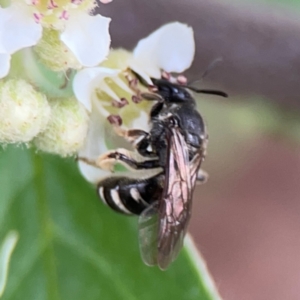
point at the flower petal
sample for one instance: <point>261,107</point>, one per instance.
<point>88,38</point>
<point>4,64</point>
<point>19,30</point>
<point>87,80</point>
<point>171,48</point>
<point>94,146</point>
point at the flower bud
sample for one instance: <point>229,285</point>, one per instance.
<point>24,112</point>
<point>67,128</point>
<point>54,53</point>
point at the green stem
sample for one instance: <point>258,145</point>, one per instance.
<point>46,226</point>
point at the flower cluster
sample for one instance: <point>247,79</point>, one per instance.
<point>112,91</point>
<point>41,40</point>
<point>58,23</point>
<point>60,88</point>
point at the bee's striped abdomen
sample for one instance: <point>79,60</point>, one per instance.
<point>130,195</point>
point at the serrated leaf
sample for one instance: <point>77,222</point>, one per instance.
<point>72,246</point>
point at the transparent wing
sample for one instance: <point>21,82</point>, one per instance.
<point>163,225</point>
<point>175,207</point>
<point>148,232</point>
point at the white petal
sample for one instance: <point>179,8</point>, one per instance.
<point>87,80</point>
<point>144,71</point>
<point>95,145</point>
<point>171,48</point>
<point>19,30</point>
<point>87,37</point>
<point>4,64</point>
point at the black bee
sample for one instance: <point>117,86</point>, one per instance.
<point>169,156</point>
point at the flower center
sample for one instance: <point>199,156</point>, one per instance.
<point>121,97</point>
<point>54,13</point>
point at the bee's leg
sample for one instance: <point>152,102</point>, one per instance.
<point>202,177</point>
<point>89,161</point>
<point>139,139</point>
<point>127,158</point>
<point>133,136</point>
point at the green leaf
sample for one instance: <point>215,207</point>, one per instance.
<point>71,246</point>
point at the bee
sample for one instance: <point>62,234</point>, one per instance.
<point>167,160</point>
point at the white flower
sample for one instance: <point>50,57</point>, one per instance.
<point>21,26</point>
<point>87,37</point>
<point>17,30</point>
<point>170,48</point>
<point>113,90</point>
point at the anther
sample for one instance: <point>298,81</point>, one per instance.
<point>165,75</point>
<point>181,79</point>
<point>38,17</point>
<point>64,15</point>
<point>76,2</point>
<point>52,4</point>
<point>136,99</point>
<point>152,88</point>
<point>121,103</point>
<point>115,120</point>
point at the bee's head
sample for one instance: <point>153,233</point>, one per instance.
<point>172,92</point>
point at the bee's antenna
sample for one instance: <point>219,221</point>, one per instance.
<point>211,66</point>
<point>209,92</point>
<point>205,73</point>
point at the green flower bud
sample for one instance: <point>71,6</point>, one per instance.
<point>67,128</point>
<point>54,53</point>
<point>24,112</point>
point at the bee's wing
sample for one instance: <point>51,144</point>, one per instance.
<point>148,232</point>
<point>176,204</point>
<point>163,225</point>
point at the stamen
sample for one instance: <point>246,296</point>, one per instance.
<point>38,17</point>
<point>181,79</point>
<point>123,102</point>
<point>133,83</point>
<point>117,80</point>
<point>107,89</point>
<point>115,120</point>
<point>152,88</point>
<point>127,76</point>
<point>165,75</point>
<point>52,4</point>
<point>136,99</point>
<point>76,2</point>
<point>64,15</point>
